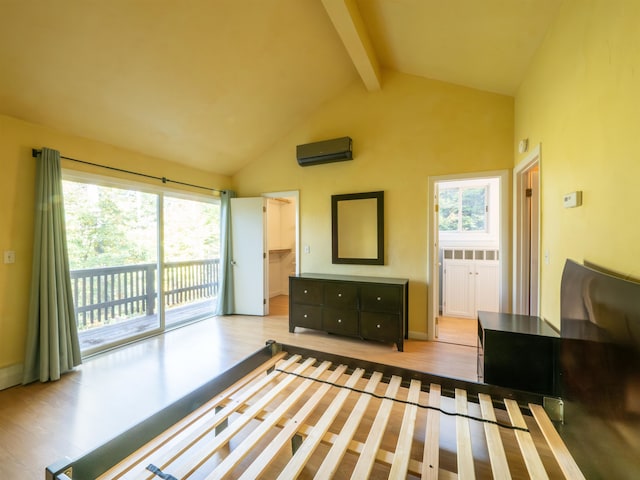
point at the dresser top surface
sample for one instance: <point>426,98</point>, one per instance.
<point>513,323</point>
<point>351,278</point>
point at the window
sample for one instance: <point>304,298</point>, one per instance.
<point>126,283</point>
<point>463,209</point>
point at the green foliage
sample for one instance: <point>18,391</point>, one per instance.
<point>463,209</point>
<point>109,226</point>
<point>191,230</point>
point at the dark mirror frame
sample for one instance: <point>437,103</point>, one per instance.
<point>335,199</point>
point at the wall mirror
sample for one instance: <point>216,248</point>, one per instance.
<point>357,228</point>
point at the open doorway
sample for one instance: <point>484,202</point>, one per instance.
<point>468,256</point>
<point>282,248</point>
<point>526,207</point>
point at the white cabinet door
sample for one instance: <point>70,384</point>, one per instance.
<point>470,286</point>
<point>487,286</point>
<point>458,288</point>
<point>250,265</point>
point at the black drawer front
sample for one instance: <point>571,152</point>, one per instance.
<point>344,322</point>
<point>381,298</point>
<point>380,326</point>
<point>341,295</point>
<point>308,316</point>
<point>306,291</point>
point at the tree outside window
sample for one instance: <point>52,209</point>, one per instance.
<point>463,209</point>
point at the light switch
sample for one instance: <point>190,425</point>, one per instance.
<point>9,256</point>
<point>572,200</point>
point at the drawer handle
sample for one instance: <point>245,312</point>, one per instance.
<point>378,325</point>
<point>339,320</point>
<point>305,315</point>
<point>379,298</point>
<point>339,294</point>
<point>305,291</point>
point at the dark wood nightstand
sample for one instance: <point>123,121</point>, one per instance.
<point>518,351</point>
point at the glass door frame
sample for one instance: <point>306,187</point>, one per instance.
<point>160,192</point>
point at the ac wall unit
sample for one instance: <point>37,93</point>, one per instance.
<point>336,150</point>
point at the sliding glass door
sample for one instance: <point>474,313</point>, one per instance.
<point>114,238</point>
<point>191,258</point>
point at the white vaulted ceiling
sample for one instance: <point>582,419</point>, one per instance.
<point>214,83</point>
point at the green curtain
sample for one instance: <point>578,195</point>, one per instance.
<point>225,289</point>
<point>52,346</point>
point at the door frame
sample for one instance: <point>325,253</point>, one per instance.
<point>161,192</point>
<point>289,194</point>
<point>433,256</point>
<point>523,249</point>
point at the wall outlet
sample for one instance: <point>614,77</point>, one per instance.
<point>9,256</point>
<point>307,249</point>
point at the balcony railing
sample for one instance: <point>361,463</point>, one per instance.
<point>108,295</point>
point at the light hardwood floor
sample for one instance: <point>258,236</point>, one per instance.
<point>461,331</point>
<point>110,392</point>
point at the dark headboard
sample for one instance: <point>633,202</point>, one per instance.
<point>600,349</point>
<point>600,369</point>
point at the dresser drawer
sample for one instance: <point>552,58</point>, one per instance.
<point>380,326</point>
<point>381,298</point>
<point>307,316</point>
<point>344,322</point>
<point>308,292</point>
<point>341,295</point>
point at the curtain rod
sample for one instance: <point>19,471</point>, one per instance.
<point>35,152</point>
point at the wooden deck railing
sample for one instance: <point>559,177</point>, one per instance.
<point>107,295</point>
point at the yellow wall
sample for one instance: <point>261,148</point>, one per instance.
<point>580,101</point>
<point>412,129</point>
<point>17,138</point>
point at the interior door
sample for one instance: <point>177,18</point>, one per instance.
<point>250,266</point>
<point>534,247</point>
<point>432,328</point>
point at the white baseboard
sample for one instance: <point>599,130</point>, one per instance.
<point>11,376</point>
<point>418,336</point>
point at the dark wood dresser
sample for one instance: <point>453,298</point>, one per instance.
<point>372,308</point>
<point>518,351</point>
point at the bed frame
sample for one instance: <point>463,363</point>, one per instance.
<point>290,412</point>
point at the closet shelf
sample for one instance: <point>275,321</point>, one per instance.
<point>280,250</point>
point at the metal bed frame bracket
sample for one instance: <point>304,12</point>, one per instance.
<point>554,408</point>
<point>275,346</point>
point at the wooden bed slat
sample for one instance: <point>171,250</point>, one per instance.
<point>270,422</point>
<point>400,463</point>
<point>369,451</point>
<point>527,445</point>
<point>340,445</point>
<point>297,463</point>
<point>463,437</point>
<point>192,453</point>
<point>203,416</point>
<point>383,456</point>
<point>268,407</point>
<point>140,455</point>
<point>497,455</point>
<point>558,448</point>
<point>291,428</point>
<point>431,454</point>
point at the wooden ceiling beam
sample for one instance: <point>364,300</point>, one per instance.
<point>346,19</point>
